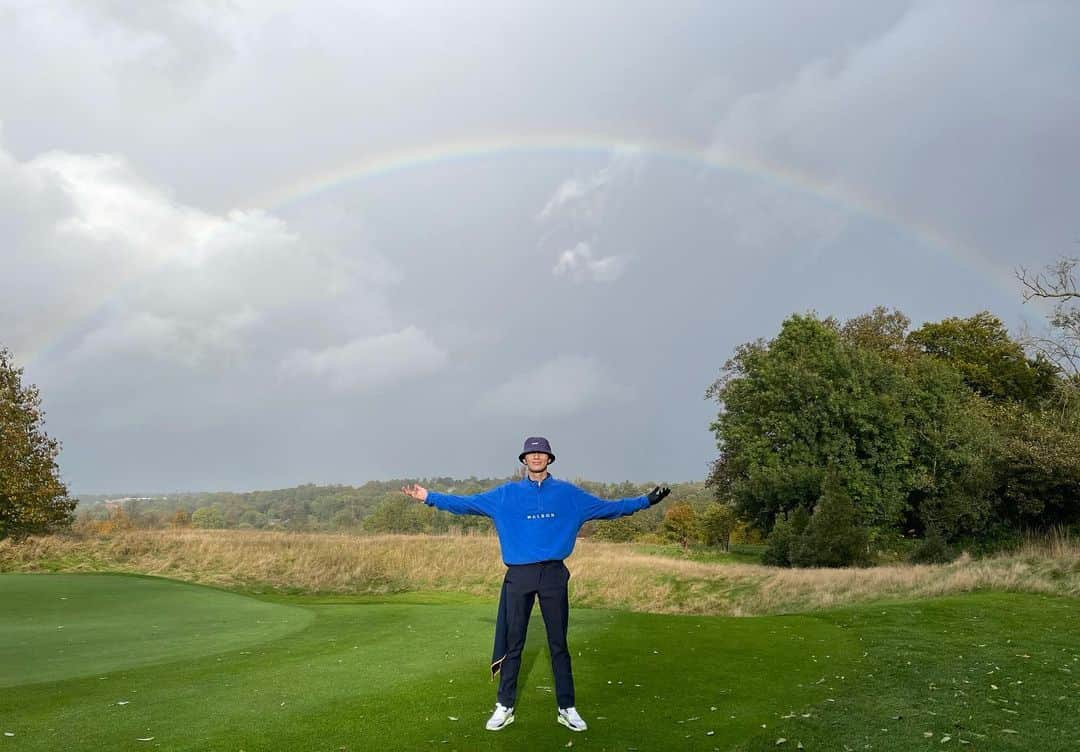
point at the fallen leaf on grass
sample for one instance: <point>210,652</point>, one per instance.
<point>780,741</point>
<point>452,717</point>
<point>1009,731</point>
<point>145,739</point>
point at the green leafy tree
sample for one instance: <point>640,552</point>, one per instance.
<point>619,530</point>
<point>833,537</point>
<point>399,515</point>
<point>951,452</point>
<point>881,330</point>
<point>681,524</point>
<point>805,400</point>
<point>717,521</point>
<point>993,364</point>
<point>208,517</point>
<point>33,500</point>
<point>1038,468</point>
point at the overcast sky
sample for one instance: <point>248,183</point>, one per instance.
<point>248,244</point>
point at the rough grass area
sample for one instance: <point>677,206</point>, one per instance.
<point>994,671</point>
<point>605,575</point>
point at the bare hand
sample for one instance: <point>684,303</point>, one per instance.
<point>416,491</point>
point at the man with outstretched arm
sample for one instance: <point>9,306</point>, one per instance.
<point>537,519</point>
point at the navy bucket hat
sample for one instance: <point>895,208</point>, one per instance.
<point>536,444</point>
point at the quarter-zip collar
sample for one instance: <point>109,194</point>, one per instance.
<point>537,483</point>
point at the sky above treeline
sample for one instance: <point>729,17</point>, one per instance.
<point>252,244</point>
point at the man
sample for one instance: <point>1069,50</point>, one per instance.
<point>537,520</point>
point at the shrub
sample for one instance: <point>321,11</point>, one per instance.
<point>208,517</point>
<point>833,538</point>
<point>620,530</point>
<point>785,534</point>
<point>932,550</point>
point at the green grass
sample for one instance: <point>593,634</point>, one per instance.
<point>225,671</point>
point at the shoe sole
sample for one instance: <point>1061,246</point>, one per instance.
<point>500,728</point>
<point>566,723</point>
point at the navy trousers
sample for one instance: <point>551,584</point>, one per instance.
<point>521,586</point>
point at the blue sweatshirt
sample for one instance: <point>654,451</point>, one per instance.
<point>537,520</point>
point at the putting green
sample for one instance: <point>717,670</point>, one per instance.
<point>410,673</point>
<point>66,625</point>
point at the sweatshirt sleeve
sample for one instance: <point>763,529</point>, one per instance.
<point>482,503</point>
<point>595,508</point>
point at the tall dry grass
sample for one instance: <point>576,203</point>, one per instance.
<point>603,574</point>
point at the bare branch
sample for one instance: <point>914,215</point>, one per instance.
<point>1058,282</point>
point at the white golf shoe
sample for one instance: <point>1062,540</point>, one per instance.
<point>569,717</point>
<point>501,718</point>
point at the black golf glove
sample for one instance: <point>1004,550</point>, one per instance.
<point>657,494</point>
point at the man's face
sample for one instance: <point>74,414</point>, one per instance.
<point>537,462</point>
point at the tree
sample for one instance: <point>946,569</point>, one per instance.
<point>398,515</point>
<point>803,401</point>
<point>785,533</point>
<point>833,537</point>
<point>717,522</point>
<point>208,517</point>
<point>33,500</point>
<point>953,444</point>
<point>182,518</point>
<point>991,362</point>
<point>618,530</point>
<point>1038,468</point>
<point>881,330</point>
<point>680,523</point>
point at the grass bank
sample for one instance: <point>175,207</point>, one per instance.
<point>604,575</point>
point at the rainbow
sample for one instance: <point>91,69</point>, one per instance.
<point>859,203</point>
<point>375,165</point>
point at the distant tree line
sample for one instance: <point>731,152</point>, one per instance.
<point>690,516</point>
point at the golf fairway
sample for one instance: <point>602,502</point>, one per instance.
<point>147,663</point>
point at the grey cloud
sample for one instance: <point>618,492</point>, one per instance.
<point>943,126</point>
<point>369,362</point>
<point>562,386</point>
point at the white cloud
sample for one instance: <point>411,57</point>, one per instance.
<point>563,386</point>
<point>579,265</point>
<point>370,362</point>
<point>584,206</point>
<point>105,257</point>
<point>588,199</point>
